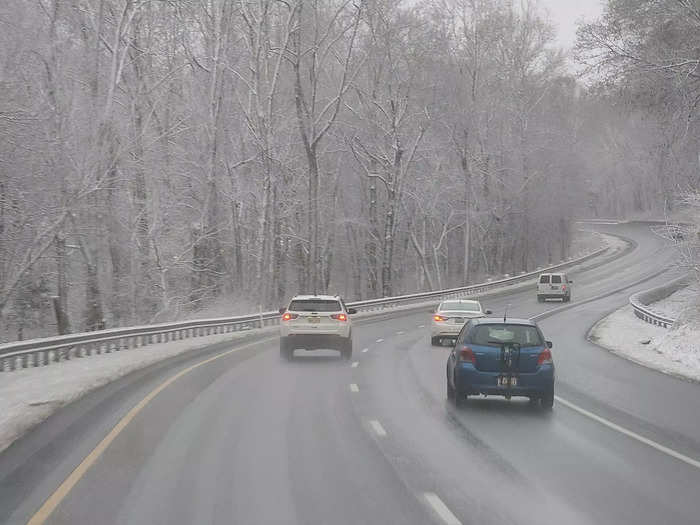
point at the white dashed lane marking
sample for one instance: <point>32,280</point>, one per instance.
<point>378,428</point>
<point>354,388</point>
<point>365,350</point>
<point>441,509</point>
<point>380,340</point>
<point>355,364</point>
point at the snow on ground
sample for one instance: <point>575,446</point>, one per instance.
<point>673,351</point>
<point>29,396</point>
<point>678,304</point>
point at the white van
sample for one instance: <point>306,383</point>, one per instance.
<point>554,286</point>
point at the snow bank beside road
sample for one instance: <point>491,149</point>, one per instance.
<point>29,396</point>
<point>679,305</point>
<point>675,351</point>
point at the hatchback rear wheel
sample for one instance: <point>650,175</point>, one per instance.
<point>547,400</point>
<point>450,389</point>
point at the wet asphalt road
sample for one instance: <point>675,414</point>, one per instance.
<point>250,439</point>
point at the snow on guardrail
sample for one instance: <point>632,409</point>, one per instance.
<point>641,301</point>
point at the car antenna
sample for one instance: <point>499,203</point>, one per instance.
<point>505,314</point>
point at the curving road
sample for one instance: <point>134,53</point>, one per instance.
<point>249,439</point>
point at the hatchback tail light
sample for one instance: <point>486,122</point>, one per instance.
<point>439,318</point>
<point>339,317</point>
<point>288,317</point>
<point>467,354</point>
<point>563,288</point>
<point>545,357</point>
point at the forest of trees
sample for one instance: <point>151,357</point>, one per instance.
<point>159,155</point>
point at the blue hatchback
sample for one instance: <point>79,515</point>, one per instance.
<point>501,357</point>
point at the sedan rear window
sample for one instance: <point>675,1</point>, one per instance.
<point>498,334</point>
<point>544,279</point>
<point>459,306</point>
<point>315,305</point>
<point>556,279</point>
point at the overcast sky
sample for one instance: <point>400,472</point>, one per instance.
<point>566,13</point>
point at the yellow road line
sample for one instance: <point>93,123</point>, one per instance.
<point>64,488</point>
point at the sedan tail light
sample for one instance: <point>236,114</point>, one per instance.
<point>339,317</point>
<point>545,357</point>
<point>467,354</point>
<point>439,318</point>
<point>288,317</point>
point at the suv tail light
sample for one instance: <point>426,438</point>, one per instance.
<point>339,317</point>
<point>467,354</point>
<point>545,357</point>
<point>288,317</point>
<point>439,318</point>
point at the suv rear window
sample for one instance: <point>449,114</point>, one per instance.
<point>315,305</point>
<point>544,279</point>
<point>556,279</point>
<point>498,334</point>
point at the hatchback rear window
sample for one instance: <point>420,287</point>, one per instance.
<point>498,334</point>
<point>556,279</point>
<point>544,279</point>
<point>315,305</point>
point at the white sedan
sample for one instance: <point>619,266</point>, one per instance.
<point>450,316</point>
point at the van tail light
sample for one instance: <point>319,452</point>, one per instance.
<point>339,317</point>
<point>466,354</point>
<point>439,318</point>
<point>288,317</point>
<point>545,357</point>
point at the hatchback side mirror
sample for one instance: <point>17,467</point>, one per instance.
<point>352,311</point>
<point>548,344</point>
<point>282,310</point>
<point>488,312</point>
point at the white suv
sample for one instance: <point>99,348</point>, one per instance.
<point>313,322</point>
<point>554,286</point>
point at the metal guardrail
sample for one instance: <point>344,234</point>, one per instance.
<point>641,300</point>
<point>41,352</point>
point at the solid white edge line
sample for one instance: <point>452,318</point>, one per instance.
<point>377,427</point>
<point>441,509</point>
<point>685,459</point>
<point>355,364</point>
<point>354,388</point>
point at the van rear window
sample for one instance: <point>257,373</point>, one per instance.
<point>544,279</point>
<point>556,279</point>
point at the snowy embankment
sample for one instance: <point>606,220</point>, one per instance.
<point>674,351</point>
<point>29,396</point>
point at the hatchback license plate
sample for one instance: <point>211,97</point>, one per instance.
<point>314,319</point>
<point>507,381</point>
